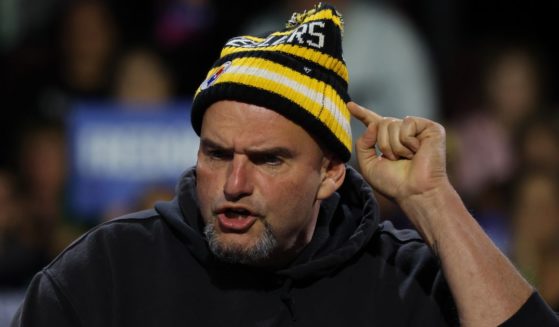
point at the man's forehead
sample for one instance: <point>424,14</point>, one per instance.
<point>248,111</point>
<point>244,116</point>
<point>227,122</point>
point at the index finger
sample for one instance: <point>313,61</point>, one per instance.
<point>363,114</point>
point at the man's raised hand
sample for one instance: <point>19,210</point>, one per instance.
<point>412,160</point>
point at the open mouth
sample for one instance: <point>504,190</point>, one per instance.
<point>237,213</point>
<point>236,219</point>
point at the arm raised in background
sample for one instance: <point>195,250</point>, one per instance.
<point>486,287</point>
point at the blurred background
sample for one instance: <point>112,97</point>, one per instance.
<point>95,99</point>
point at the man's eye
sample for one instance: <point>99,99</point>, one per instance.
<point>268,159</point>
<point>219,154</point>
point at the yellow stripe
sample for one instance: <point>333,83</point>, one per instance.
<point>311,83</point>
<point>254,38</point>
<point>280,33</point>
<point>306,53</point>
<point>325,15</point>
<point>287,92</point>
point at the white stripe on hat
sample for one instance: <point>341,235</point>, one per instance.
<point>319,98</point>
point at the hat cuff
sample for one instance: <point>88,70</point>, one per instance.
<point>272,101</point>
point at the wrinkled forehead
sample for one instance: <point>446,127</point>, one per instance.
<point>231,122</point>
<point>244,117</point>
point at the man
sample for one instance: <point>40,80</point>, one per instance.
<point>272,229</point>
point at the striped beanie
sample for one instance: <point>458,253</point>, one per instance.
<point>298,72</point>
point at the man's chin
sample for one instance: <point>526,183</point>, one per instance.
<point>240,248</point>
<point>239,253</point>
<point>235,244</point>
<point>236,240</point>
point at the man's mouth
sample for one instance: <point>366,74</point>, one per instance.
<point>235,219</point>
<point>237,213</point>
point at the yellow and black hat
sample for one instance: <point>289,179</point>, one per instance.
<point>298,72</point>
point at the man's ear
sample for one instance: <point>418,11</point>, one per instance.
<point>333,175</point>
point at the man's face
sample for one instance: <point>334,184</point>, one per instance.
<point>258,182</point>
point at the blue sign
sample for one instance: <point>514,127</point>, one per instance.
<point>117,152</point>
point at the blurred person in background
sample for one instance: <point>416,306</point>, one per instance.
<point>42,170</point>
<point>535,214</point>
<point>20,254</point>
<point>186,32</point>
<point>87,43</point>
<point>485,154</point>
<point>68,58</point>
<point>141,82</point>
<point>536,143</point>
<point>142,78</point>
<point>20,259</point>
<point>512,91</point>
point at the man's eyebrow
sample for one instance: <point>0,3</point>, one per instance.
<point>207,143</point>
<point>278,151</point>
<point>273,151</point>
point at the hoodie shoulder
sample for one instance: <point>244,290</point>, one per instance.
<point>127,222</point>
<point>106,237</point>
<point>414,265</point>
<point>144,214</point>
<point>405,248</point>
<point>103,265</point>
<point>400,236</point>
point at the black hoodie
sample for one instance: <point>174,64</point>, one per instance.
<point>154,268</point>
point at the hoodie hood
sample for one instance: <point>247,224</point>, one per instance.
<point>346,222</point>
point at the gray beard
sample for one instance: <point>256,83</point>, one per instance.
<point>262,250</point>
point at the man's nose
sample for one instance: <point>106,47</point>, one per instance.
<point>239,180</point>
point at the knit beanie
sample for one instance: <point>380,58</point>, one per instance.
<point>298,72</point>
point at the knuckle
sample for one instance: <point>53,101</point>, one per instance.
<point>389,120</point>
<point>436,127</point>
<point>371,127</point>
<point>440,129</point>
<point>407,141</point>
<point>383,147</point>
<point>402,150</point>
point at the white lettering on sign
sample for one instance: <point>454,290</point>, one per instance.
<point>135,152</point>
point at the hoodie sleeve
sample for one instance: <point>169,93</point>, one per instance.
<point>535,312</point>
<point>45,305</point>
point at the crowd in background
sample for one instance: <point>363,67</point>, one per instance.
<point>493,90</point>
